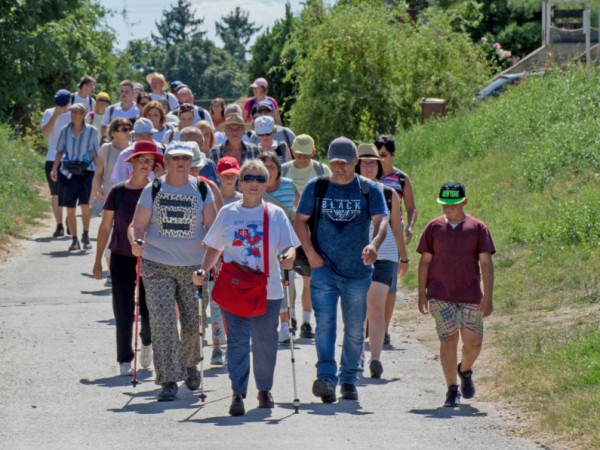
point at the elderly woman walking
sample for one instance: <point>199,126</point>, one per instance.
<point>167,230</point>
<point>238,232</point>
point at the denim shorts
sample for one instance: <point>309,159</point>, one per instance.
<point>451,317</point>
<point>384,271</point>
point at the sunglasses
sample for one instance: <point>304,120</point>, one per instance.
<point>102,100</point>
<point>258,178</point>
<point>264,134</point>
<point>263,111</point>
<point>124,130</point>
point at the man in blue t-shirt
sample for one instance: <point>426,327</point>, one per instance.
<point>340,253</point>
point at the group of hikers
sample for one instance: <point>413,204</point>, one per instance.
<point>220,209</point>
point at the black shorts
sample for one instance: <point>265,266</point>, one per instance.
<point>53,185</point>
<point>75,190</point>
<point>384,271</point>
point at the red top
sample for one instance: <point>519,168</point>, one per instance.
<point>454,273</point>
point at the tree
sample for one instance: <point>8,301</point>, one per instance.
<point>235,32</point>
<point>178,25</point>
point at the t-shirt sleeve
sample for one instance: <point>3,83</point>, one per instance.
<point>376,201</point>
<point>106,118</point>
<point>326,170</point>
<point>426,241</point>
<point>287,235</point>
<point>306,204</point>
<point>61,144</point>
<point>95,141</point>
<point>173,103</point>
<point>485,242</point>
<point>146,197</point>
<point>47,116</point>
<point>110,201</point>
<point>215,236</point>
<point>247,105</point>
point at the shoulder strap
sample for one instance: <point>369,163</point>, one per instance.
<point>111,110</point>
<point>387,193</point>
<point>156,184</point>
<point>119,189</point>
<point>266,239</point>
<point>281,150</point>
<point>285,169</point>
<point>202,188</point>
<point>401,178</point>
<point>318,168</point>
<point>321,187</point>
<point>365,188</point>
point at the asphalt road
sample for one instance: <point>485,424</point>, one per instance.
<point>60,388</point>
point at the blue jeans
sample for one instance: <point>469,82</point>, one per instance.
<point>263,331</point>
<point>325,289</point>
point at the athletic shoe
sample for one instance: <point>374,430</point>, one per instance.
<point>108,282</point>
<point>306,331</point>
<point>75,245</point>
<point>59,232</point>
<point>85,240</point>
<point>237,406</point>
<point>146,356</point>
<point>125,369</point>
<point>284,336</point>
<point>349,391</point>
<point>265,400</point>
<point>467,387</point>
<point>376,368</point>
<point>386,339</point>
<point>168,392</point>
<point>192,380</point>
<point>217,357</point>
<point>324,390</point>
<point>452,396</point>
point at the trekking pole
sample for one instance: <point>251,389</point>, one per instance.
<point>286,283</point>
<point>202,395</point>
<point>134,380</point>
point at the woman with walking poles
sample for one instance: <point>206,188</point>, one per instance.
<point>254,239</point>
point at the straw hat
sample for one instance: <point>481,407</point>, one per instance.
<point>160,76</point>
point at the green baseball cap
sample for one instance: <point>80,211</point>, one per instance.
<point>452,193</point>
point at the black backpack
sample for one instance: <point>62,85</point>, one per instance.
<point>119,189</point>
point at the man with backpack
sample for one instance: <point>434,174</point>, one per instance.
<point>282,134</point>
<point>85,95</point>
<point>333,221</point>
<point>126,108</point>
<point>184,95</point>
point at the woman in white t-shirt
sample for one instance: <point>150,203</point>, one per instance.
<point>237,233</point>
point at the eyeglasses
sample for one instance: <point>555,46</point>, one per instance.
<point>248,178</point>
<point>264,134</point>
<point>124,130</point>
<point>263,110</point>
<point>368,163</point>
<point>103,100</point>
<point>144,160</point>
<point>186,108</point>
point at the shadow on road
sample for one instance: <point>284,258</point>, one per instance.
<point>65,253</point>
<point>448,413</point>
<point>101,293</point>
<point>376,381</point>
<point>330,409</point>
<point>111,322</point>
<point>185,400</point>
<point>117,380</point>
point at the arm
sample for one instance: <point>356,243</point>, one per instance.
<point>209,212</point>
<point>423,272</point>
<point>103,233</point>
<point>369,253</point>
<point>54,171</point>
<point>487,272</point>
<point>303,231</point>
<point>296,196</point>
<point>137,228</point>
<point>218,198</point>
<point>411,209</point>
<point>290,255</point>
<point>396,226</point>
<point>211,256</point>
<point>96,183</point>
<point>49,126</point>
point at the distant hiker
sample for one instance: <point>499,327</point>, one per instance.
<point>102,102</point>
<point>158,85</point>
<point>184,95</point>
<point>264,127</point>
<point>341,256</point>
<point>400,182</point>
<point>73,168</point>
<point>171,219</point>
<point>260,87</point>
<point>217,111</point>
<point>52,123</point>
<point>234,146</point>
<point>455,249</point>
<point>85,95</point>
<point>126,107</point>
<point>118,212</point>
<point>207,167</point>
<point>282,134</point>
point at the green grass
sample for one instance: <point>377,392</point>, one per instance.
<point>530,160</point>
<point>21,167</point>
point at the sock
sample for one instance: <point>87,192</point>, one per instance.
<point>306,316</point>
<point>293,313</point>
<point>285,328</point>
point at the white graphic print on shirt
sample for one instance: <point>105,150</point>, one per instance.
<point>176,215</point>
<point>340,210</point>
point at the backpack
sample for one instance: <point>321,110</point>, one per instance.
<point>90,98</point>
<point>119,189</point>
<point>319,169</point>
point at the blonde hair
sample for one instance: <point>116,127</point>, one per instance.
<point>205,125</point>
<point>158,106</point>
<point>253,164</point>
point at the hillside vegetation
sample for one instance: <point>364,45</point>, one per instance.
<point>530,160</point>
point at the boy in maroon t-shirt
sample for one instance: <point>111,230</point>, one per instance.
<point>456,252</point>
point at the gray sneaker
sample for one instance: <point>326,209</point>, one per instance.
<point>217,357</point>
<point>168,392</point>
<point>192,380</point>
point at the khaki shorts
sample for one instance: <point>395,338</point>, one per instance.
<point>451,317</point>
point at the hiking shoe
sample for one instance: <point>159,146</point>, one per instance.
<point>125,369</point>
<point>192,380</point>
<point>217,357</point>
<point>306,331</point>
<point>108,282</point>
<point>376,368</point>
<point>452,396</point>
<point>324,390</point>
<point>168,392</point>
<point>349,391</point>
<point>146,356</point>
<point>386,339</point>
<point>467,387</point>
<point>284,336</point>
<point>75,245</point>
<point>237,406</point>
<point>59,232</point>
<point>85,240</point>
<point>265,400</point>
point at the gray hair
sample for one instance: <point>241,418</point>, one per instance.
<point>232,108</point>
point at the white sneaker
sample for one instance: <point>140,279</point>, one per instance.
<point>146,356</point>
<point>125,369</point>
<point>284,336</point>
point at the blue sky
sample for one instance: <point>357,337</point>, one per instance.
<point>141,14</point>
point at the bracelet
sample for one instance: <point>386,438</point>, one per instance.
<point>404,261</point>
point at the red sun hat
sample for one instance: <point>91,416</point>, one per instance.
<point>145,148</point>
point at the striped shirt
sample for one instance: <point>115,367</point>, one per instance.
<point>78,148</point>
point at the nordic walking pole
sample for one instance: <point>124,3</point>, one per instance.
<point>286,283</point>
<point>134,381</point>
<point>202,395</point>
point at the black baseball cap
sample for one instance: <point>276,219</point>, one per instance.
<point>452,193</point>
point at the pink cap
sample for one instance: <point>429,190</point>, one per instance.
<point>260,82</point>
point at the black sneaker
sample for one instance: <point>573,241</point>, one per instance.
<point>192,380</point>
<point>324,390</point>
<point>265,400</point>
<point>59,232</point>
<point>74,245</point>
<point>306,331</point>
<point>386,339</point>
<point>294,326</point>
<point>452,397</point>
<point>237,406</point>
<point>168,393</point>
<point>467,387</point>
<point>376,368</point>
<point>349,391</point>
<point>85,240</point>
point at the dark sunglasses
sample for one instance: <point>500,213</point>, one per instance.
<point>124,130</point>
<point>263,110</point>
<point>103,100</point>
<point>258,178</point>
<point>264,134</point>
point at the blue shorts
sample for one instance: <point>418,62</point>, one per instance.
<point>384,271</point>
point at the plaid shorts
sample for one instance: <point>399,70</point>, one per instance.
<point>451,317</point>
